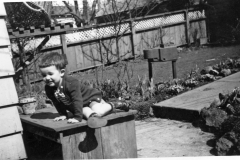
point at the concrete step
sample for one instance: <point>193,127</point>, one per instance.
<point>188,105</point>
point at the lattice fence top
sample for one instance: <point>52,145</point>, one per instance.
<point>106,31</point>
<point>97,33</point>
<point>196,15</point>
<point>160,21</point>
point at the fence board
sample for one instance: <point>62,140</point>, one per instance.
<point>71,56</point>
<point>79,57</point>
<point>138,44</point>
<point>11,116</point>
<point>172,35</point>
<point>129,47</point>
<point>6,66</point>
<point>203,29</point>
<point>166,32</point>
<point>125,47</point>
<point>114,51</point>
<point>104,51</point>
<point>86,55</point>
<point>156,38</point>
<point>180,35</point>
<point>12,147</point>
<point>144,39</point>
<point>94,51</point>
<point>8,92</point>
<point>109,51</point>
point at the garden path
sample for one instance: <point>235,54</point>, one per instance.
<point>158,138</point>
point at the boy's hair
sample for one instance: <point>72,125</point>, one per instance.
<point>53,59</point>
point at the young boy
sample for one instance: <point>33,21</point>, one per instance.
<point>68,94</point>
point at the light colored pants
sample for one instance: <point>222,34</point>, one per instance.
<point>101,108</point>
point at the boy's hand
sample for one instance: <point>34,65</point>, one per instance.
<point>60,118</point>
<point>72,120</point>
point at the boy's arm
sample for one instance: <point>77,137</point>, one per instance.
<point>57,105</point>
<point>74,89</point>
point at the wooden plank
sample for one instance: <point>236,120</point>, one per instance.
<point>71,56</point>
<point>129,47</point>
<point>166,32</point>
<point>42,132</point>
<point>83,145</point>
<point>144,40</point>
<point>151,38</point>
<point>12,147</point>
<point>4,38</point>
<point>11,116</point>
<point>79,57</point>
<point>124,45</point>
<point>176,35</point>
<point>86,55</point>
<point>104,50</point>
<point>8,92</point>
<point>108,50</point>
<point>121,44</point>
<point>94,51</point>
<point>181,39</point>
<point>156,38</point>
<point>119,140</point>
<point>138,44</point>
<point>191,29</point>
<point>203,29</point>
<point>43,118</point>
<point>2,9</point>
<point>6,66</point>
<point>113,55</point>
<point>172,35</point>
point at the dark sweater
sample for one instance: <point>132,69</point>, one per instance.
<point>77,94</point>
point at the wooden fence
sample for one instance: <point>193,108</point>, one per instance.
<point>89,47</point>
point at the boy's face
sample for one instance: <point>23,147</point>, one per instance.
<point>52,76</point>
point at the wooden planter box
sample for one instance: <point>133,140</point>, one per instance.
<point>78,141</point>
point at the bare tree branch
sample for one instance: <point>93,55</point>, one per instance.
<point>77,17</point>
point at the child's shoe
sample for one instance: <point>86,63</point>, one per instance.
<point>95,121</point>
<point>121,105</point>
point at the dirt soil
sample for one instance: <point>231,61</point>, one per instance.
<point>169,138</point>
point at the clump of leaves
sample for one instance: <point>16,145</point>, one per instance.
<point>224,115</point>
<point>192,79</point>
<point>145,88</point>
<point>223,69</point>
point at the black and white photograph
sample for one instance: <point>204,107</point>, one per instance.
<point>119,79</point>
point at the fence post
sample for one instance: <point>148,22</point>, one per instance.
<point>132,28</point>
<point>64,47</point>
<point>187,27</point>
